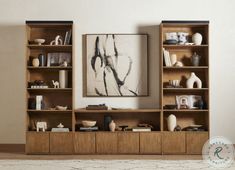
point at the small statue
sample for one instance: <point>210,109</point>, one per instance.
<point>57,41</point>
<point>64,64</point>
<point>41,125</point>
<point>60,125</point>
<point>56,84</point>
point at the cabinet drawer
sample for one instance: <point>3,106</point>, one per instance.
<point>173,143</point>
<point>61,142</point>
<point>37,143</point>
<point>106,142</point>
<point>150,143</point>
<point>84,142</point>
<point>128,143</point>
<point>195,141</point>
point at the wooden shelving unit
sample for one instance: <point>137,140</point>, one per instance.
<point>49,142</point>
<point>182,142</point>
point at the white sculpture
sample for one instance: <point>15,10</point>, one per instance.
<point>56,84</point>
<point>64,64</point>
<point>58,41</point>
<point>197,38</point>
<point>173,59</point>
<point>41,125</point>
<point>171,122</point>
<point>60,125</point>
<point>193,79</point>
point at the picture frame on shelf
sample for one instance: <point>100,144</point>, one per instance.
<point>188,101</point>
<point>57,59</point>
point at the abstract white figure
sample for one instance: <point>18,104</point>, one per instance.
<point>193,79</point>
<point>41,125</point>
<point>57,41</point>
<point>56,84</point>
<point>171,122</point>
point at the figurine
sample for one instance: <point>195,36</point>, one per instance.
<point>60,125</point>
<point>56,84</point>
<point>61,107</point>
<point>193,79</point>
<point>57,41</point>
<point>64,64</point>
<point>41,125</point>
<point>112,126</point>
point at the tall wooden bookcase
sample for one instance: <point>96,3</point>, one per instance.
<point>43,142</point>
<point>188,142</point>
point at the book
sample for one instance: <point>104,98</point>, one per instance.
<point>167,59</point>
<point>141,129</point>
<point>67,37</point>
<point>94,128</point>
<point>60,130</point>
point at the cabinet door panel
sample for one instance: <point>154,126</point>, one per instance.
<point>173,143</point>
<point>61,142</point>
<point>106,142</point>
<point>128,143</point>
<point>195,141</point>
<point>37,143</point>
<point>84,143</point>
<point>150,143</point>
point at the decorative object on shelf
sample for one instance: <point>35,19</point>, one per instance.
<point>124,127</point>
<point>67,37</point>
<point>112,126</point>
<point>41,125</point>
<point>64,64</point>
<point>60,125</point>
<point>89,129</point>
<point>188,101</point>
<point>182,37</point>
<point>56,84</point>
<point>188,43</point>
<point>201,104</point>
<point>114,64</point>
<point>179,64</point>
<point>97,107</point>
<point>61,107</point>
<point>195,59</point>
<point>60,128</point>
<point>171,122</point>
<point>42,60</point>
<point>58,59</point>
<point>174,84</point>
<point>35,62</point>
<point>193,79</point>
<point>63,78</point>
<point>171,42</point>
<point>194,128</point>
<point>39,41</point>
<point>88,123</point>
<point>171,38</point>
<point>194,101</point>
<point>141,129</point>
<point>37,84</point>
<point>32,103</point>
<point>177,128</point>
<point>39,102</point>
<point>197,38</point>
<point>57,41</point>
<point>107,121</point>
<point>173,59</point>
<point>170,106</point>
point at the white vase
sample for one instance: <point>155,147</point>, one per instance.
<point>171,122</point>
<point>197,38</point>
<point>35,62</point>
<point>193,79</point>
<point>112,126</point>
<point>173,59</point>
<point>63,78</point>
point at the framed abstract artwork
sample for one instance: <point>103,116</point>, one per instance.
<point>116,65</point>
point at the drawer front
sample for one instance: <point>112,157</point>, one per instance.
<point>84,142</point>
<point>106,142</point>
<point>128,143</point>
<point>174,143</point>
<point>195,141</point>
<point>150,143</point>
<point>61,143</point>
<point>37,143</point>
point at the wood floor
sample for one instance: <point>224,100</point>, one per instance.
<point>22,156</point>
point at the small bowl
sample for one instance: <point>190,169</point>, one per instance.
<point>39,41</point>
<point>88,123</point>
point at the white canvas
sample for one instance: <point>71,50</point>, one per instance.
<point>117,65</point>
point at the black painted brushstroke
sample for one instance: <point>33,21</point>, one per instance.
<point>115,48</point>
<point>105,84</point>
<point>98,93</point>
<point>97,55</point>
<point>133,92</point>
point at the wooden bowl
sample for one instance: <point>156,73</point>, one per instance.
<point>88,123</point>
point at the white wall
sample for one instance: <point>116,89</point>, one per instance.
<point>116,16</point>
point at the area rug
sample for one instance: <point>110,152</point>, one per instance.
<point>105,165</point>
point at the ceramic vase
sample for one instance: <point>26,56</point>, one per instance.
<point>63,78</point>
<point>35,62</point>
<point>197,38</point>
<point>171,122</point>
<point>42,60</point>
<point>107,121</point>
<point>112,126</point>
<point>195,59</point>
<point>173,59</point>
<point>193,79</point>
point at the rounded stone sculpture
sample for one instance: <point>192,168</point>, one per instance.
<point>193,79</point>
<point>112,126</point>
<point>171,122</point>
<point>197,38</point>
<point>35,62</point>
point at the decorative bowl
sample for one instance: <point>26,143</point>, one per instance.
<point>39,41</point>
<point>61,107</point>
<point>88,123</point>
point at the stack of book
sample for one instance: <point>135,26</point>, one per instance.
<point>94,128</point>
<point>60,129</point>
<point>141,129</point>
<point>167,58</point>
<point>67,37</point>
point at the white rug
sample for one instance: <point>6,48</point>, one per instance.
<point>105,165</point>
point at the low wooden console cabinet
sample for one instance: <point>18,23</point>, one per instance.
<point>115,142</point>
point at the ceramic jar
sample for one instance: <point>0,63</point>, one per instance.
<point>195,59</point>
<point>112,126</point>
<point>173,59</point>
<point>193,79</point>
<point>171,122</point>
<point>63,78</point>
<point>35,62</point>
<point>197,38</point>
